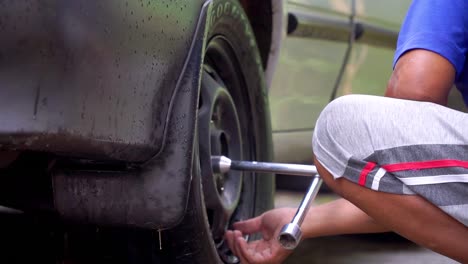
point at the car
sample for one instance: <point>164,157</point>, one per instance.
<point>332,48</point>
<point>110,112</point>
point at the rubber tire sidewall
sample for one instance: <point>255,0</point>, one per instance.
<point>191,241</point>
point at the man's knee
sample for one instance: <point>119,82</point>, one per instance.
<point>343,108</point>
<point>342,132</point>
<point>340,119</point>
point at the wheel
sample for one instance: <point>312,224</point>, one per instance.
<point>233,120</point>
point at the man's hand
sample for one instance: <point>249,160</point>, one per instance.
<point>267,250</point>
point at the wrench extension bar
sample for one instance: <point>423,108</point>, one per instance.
<point>291,234</point>
<point>223,164</point>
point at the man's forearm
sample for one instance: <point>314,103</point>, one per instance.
<point>339,217</point>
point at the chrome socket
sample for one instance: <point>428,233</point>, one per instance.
<point>290,236</point>
<point>291,233</point>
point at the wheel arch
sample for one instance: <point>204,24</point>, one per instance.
<point>268,22</point>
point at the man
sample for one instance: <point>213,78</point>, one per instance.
<point>400,164</point>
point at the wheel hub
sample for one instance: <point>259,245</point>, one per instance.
<point>219,134</point>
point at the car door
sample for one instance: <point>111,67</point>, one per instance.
<point>310,63</point>
<point>377,24</point>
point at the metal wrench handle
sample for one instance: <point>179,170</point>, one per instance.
<point>224,164</point>
<point>291,233</point>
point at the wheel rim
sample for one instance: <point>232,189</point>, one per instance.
<point>218,115</point>
<point>223,88</point>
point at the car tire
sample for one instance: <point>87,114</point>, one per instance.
<point>232,58</point>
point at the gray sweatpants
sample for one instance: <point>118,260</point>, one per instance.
<point>397,146</point>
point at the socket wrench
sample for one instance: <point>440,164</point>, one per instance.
<point>291,233</point>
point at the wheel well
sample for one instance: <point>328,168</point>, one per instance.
<point>260,15</point>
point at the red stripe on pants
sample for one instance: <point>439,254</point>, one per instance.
<point>363,176</point>
<point>421,165</point>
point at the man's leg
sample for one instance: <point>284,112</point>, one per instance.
<point>355,139</point>
<point>408,215</point>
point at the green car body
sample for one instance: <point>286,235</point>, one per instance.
<point>337,47</point>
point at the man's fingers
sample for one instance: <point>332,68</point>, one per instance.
<point>250,252</point>
<point>230,239</point>
<point>249,226</point>
<point>240,253</point>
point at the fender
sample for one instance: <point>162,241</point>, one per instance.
<point>91,79</point>
<point>155,195</point>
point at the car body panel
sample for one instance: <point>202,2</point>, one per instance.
<point>310,63</point>
<point>152,195</point>
<point>91,79</point>
<point>370,64</point>
<point>106,81</point>
<point>385,14</point>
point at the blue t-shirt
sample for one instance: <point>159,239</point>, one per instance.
<point>440,26</point>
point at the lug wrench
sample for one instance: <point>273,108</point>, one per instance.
<point>291,233</point>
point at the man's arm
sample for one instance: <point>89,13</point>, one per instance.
<point>334,218</point>
<point>431,50</point>
<point>421,75</point>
